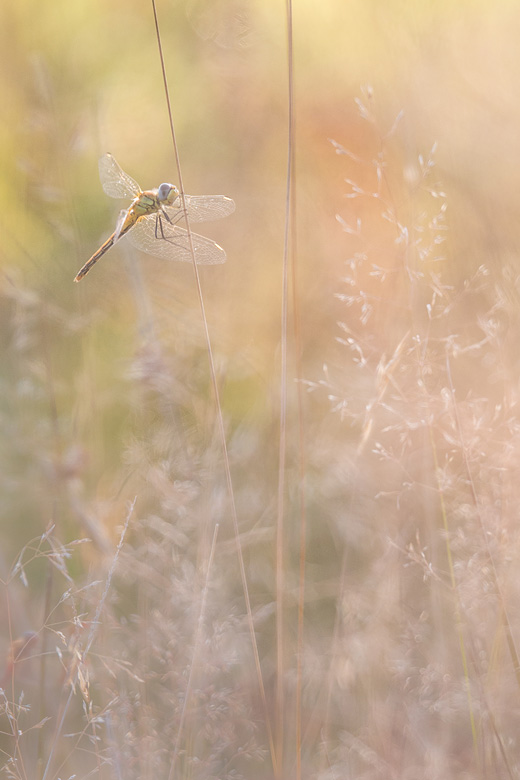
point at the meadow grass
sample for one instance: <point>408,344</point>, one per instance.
<point>299,565</point>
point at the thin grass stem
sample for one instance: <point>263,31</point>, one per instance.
<point>218,406</point>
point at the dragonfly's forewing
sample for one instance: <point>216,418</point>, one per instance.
<point>171,242</point>
<point>201,208</point>
<point>116,183</point>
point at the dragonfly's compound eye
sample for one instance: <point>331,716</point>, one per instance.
<point>167,192</point>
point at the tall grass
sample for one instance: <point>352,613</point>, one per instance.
<point>208,592</point>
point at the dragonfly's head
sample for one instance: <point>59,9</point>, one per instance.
<point>167,193</point>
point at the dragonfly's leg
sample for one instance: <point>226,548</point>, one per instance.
<point>176,218</point>
<point>159,230</point>
<point>160,234</point>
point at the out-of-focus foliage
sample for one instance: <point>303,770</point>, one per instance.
<point>405,242</point>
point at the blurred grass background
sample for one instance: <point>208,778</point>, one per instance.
<point>106,394</point>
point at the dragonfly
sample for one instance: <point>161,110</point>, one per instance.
<point>152,219</point>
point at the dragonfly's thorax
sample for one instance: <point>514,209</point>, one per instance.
<point>146,203</point>
<point>143,205</point>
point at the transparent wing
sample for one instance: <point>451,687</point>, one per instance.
<point>201,208</point>
<point>170,242</point>
<point>115,182</point>
<point>120,222</point>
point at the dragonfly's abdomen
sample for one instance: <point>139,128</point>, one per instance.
<point>95,257</point>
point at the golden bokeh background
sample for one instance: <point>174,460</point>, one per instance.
<point>409,404</point>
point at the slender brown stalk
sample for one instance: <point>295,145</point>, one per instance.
<point>218,407</point>
<point>196,647</point>
<point>296,320</point>
<point>280,572</point>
